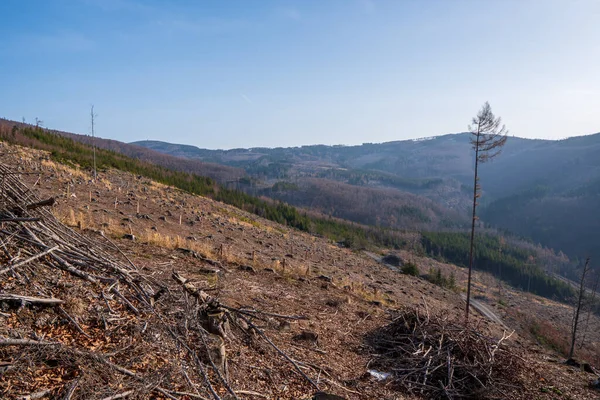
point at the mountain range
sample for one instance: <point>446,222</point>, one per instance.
<point>545,190</point>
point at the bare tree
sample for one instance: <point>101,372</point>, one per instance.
<point>580,296</point>
<point>531,263</point>
<point>591,305</point>
<point>93,116</point>
<point>488,135</point>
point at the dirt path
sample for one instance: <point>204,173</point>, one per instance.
<point>481,308</point>
<point>484,310</point>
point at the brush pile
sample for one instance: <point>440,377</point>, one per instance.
<point>439,358</point>
<point>79,320</point>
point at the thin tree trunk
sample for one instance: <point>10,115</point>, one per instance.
<point>590,309</point>
<point>472,229</point>
<point>578,309</point>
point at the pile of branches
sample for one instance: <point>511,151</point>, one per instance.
<point>439,357</point>
<point>79,320</point>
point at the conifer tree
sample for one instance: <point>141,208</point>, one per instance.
<point>488,136</point>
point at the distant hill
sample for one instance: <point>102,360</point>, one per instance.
<point>367,205</point>
<point>547,190</point>
<point>323,178</point>
<point>220,173</point>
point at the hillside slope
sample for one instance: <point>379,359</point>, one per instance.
<point>345,298</point>
<point>217,172</point>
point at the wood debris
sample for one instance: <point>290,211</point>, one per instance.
<point>80,322</point>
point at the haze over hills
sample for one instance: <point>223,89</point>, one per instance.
<point>547,190</point>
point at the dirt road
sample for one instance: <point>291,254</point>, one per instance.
<point>480,307</point>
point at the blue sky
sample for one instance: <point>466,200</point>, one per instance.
<point>225,74</point>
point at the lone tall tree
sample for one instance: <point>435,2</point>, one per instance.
<point>580,298</point>
<point>488,135</point>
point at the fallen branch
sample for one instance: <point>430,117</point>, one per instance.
<point>71,390</point>
<point>252,311</point>
<point>79,328</point>
<point>192,395</point>
<point>30,300</point>
<point>191,289</point>
<point>26,342</point>
<point>19,219</point>
<point>119,396</point>
<point>44,203</point>
<point>266,338</point>
<point>30,259</point>
<point>36,395</point>
<point>251,393</point>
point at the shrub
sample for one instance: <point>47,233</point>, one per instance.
<point>436,277</point>
<point>410,269</point>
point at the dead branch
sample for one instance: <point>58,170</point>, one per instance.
<point>192,395</point>
<point>79,328</point>
<point>251,393</point>
<point>44,203</point>
<point>30,300</point>
<point>438,357</point>
<point>25,342</point>
<point>252,311</point>
<point>71,390</point>
<point>36,395</point>
<point>30,259</point>
<point>191,289</point>
<point>19,219</point>
<point>283,354</point>
<point>120,395</point>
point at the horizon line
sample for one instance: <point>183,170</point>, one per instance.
<point>414,139</point>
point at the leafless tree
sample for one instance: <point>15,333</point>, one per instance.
<point>93,116</point>
<point>580,297</point>
<point>488,135</point>
<point>591,306</point>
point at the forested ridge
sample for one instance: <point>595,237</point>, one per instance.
<point>546,190</point>
<point>515,265</point>
<point>451,246</point>
<point>66,150</point>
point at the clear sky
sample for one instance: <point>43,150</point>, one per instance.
<point>225,73</point>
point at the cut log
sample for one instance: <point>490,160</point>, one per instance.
<point>191,289</point>
<point>44,203</point>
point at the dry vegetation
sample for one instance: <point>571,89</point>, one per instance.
<point>316,303</point>
<point>439,357</point>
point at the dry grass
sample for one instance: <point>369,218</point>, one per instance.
<point>175,241</point>
<point>364,292</point>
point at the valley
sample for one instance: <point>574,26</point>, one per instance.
<point>271,267</point>
<point>542,190</point>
